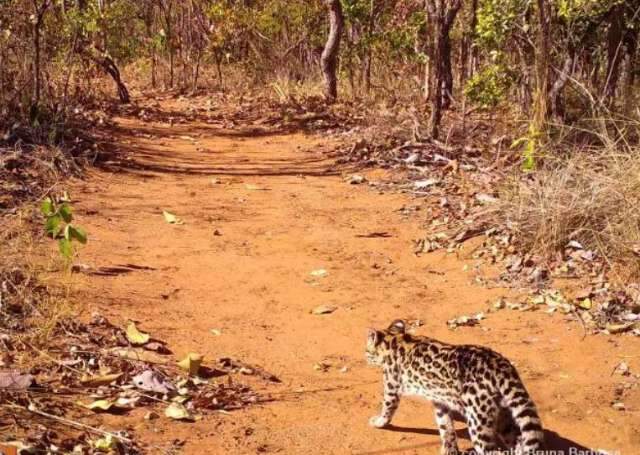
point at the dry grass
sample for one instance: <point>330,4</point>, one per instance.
<point>590,197</point>
<point>33,307</point>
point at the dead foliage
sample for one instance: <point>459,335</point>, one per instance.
<point>589,198</point>
<point>58,372</point>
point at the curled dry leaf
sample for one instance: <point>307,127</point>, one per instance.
<point>177,411</point>
<point>422,184</point>
<point>356,179</point>
<point>100,405</point>
<point>324,309</point>
<point>15,380</point>
<point>171,218</point>
<point>97,381</point>
<point>136,337</point>
<point>152,381</point>
<point>191,363</point>
<point>319,273</point>
<point>465,321</point>
<point>106,444</point>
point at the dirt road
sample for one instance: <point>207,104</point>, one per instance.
<point>261,212</point>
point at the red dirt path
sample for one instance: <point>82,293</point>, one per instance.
<point>252,282</point>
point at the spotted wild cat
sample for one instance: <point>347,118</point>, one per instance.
<point>469,381</point>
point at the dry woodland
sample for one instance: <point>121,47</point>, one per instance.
<point>205,204</point>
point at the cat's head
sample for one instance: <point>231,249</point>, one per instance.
<point>378,342</point>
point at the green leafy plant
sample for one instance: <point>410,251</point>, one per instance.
<point>58,214</point>
<point>530,149</point>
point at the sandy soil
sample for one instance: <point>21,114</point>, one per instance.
<point>241,264</point>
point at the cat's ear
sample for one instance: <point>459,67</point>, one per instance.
<point>397,327</point>
<point>373,337</point>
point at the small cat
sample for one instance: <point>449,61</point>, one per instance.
<point>469,381</point>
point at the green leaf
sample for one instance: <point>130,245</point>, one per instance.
<point>47,207</point>
<point>52,226</point>
<point>78,233</point>
<point>67,233</point>
<point>66,249</point>
<point>65,212</point>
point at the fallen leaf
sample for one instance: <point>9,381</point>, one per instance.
<point>585,304</point>
<point>100,405</point>
<point>321,366</point>
<point>356,179</point>
<point>484,198</point>
<point>136,337</point>
<point>422,184</point>
<point>97,381</point>
<point>177,411</point>
<point>15,380</point>
<point>106,444</point>
<point>618,406</point>
<point>324,309</point>
<point>465,321</point>
<point>622,368</point>
<point>142,356</point>
<point>619,328</point>
<point>191,363</point>
<point>319,273</point>
<point>152,381</point>
<point>157,347</point>
<point>171,218</point>
<point>575,245</point>
<point>252,187</point>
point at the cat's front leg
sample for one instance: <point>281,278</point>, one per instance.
<point>390,401</point>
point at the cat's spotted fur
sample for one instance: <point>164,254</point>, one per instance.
<point>469,381</point>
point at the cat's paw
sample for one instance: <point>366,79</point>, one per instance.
<point>378,421</point>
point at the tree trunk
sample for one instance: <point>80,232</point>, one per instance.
<point>555,94</point>
<point>631,41</point>
<point>329,59</point>
<point>468,52</point>
<point>368,58</point>
<point>109,66</point>
<point>441,19</point>
<point>543,65</point>
<point>614,52</point>
<point>447,73</point>
<point>40,10</point>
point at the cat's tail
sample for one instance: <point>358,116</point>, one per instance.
<point>517,400</point>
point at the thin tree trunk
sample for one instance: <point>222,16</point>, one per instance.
<point>368,58</point>
<point>555,94</point>
<point>543,64</point>
<point>614,52</point>
<point>329,59</point>
<point>109,66</point>
<point>40,10</point>
<point>441,20</point>
<point>631,40</point>
<point>447,73</point>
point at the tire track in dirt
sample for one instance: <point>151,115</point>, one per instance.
<point>280,211</point>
